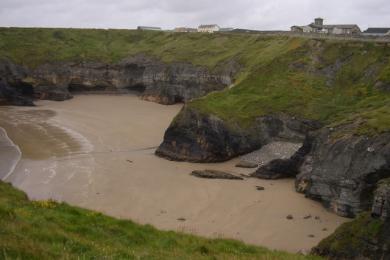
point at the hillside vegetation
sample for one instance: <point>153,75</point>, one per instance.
<point>35,46</point>
<point>331,81</point>
<point>50,230</point>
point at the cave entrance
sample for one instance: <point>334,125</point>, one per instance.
<point>23,89</point>
<point>371,184</point>
<point>178,99</point>
<point>137,88</point>
<point>80,88</point>
<point>27,90</point>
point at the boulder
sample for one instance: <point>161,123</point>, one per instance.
<point>212,174</point>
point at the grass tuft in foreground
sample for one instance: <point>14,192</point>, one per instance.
<point>51,230</point>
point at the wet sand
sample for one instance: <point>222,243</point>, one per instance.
<point>98,152</point>
<point>10,155</point>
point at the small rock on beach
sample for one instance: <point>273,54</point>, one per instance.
<point>212,174</point>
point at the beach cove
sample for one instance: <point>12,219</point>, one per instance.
<point>97,152</point>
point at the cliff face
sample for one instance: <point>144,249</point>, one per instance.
<point>158,81</point>
<point>197,137</point>
<point>342,85</point>
<point>343,172</point>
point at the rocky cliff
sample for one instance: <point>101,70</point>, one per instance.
<point>340,171</point>
<point>344,86</point>
<point>157,81</point>
<point>197,137</point>
<point>343,172</point>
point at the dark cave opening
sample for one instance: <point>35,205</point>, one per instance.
<point>79,88</point>
<point>178,99</point>
<point>138,88</point>
<point>371,184</point>
<point>26,90</point>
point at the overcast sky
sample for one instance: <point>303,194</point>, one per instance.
<point>254,14</point>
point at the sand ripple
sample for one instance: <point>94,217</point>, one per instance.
<point>39,136</point>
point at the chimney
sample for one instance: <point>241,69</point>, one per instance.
<point>319,21</point>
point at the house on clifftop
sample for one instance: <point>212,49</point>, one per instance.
<point>208,28</point>
<point>377,32</point>
<point>319,27</point>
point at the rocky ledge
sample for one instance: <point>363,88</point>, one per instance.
<point>157,81</point>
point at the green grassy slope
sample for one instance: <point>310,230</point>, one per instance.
<point>327,80</point>
<point>34,46</point>
<point>49,230</point>
<point>332,82</point>
<point>364,236</point>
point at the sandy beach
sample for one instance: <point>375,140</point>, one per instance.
<point>97,152</point>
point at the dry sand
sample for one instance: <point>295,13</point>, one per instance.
<point>98,152</point>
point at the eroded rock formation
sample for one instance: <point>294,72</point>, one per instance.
<point>196,137</point>
<point>158,81</point>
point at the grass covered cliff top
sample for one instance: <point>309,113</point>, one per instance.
<point>50,230</point>
<point>35,46</point>
<point>335,82</point>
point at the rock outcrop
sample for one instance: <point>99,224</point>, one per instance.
<point>343,172</point>
<point>196,137</point>
<point>381,205</point>
<point>14,96</point>
<point>158,81</point>
<point>12,90</point>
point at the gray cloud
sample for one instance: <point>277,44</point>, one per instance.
<point>255,14</point>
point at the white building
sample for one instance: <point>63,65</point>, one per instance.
<point>208,28</point>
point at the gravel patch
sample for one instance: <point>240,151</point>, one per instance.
<point>272,151</point>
